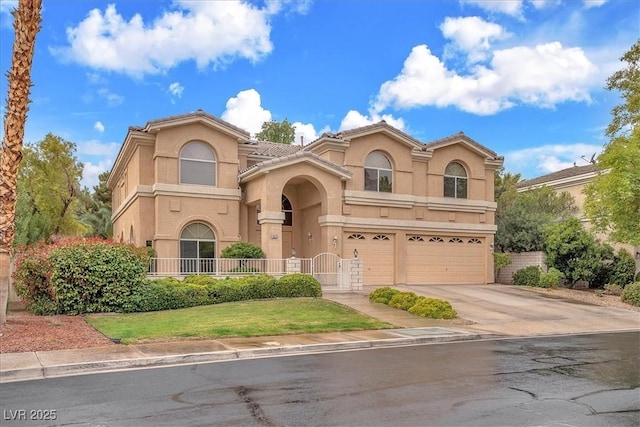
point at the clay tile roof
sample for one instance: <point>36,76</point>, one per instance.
<point>273,149</point>
<point>565,173</point>
<point>199,113</point>
<point>296,155</point>
<point>460,135</point>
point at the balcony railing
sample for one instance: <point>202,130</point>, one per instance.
<point>177,267</point>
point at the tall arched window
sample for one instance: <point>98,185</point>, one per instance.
<point>197,249</point>
<point>197,164</point>
<point>455,181</point>
<point>288,211</point>
<point>378,175</point>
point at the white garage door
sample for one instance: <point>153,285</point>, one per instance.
<point>377,255</point>
<point>445,260</point>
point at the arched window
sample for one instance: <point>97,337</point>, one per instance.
<point>132,237</point>
<point>197,249</point>
<point>378,175</point>
<point>455,181</point>
<point>288,211</point>
<point>197,164</point>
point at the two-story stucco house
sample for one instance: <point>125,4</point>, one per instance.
<point>414,212</point>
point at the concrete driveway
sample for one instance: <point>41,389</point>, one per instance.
<point>510,310</point>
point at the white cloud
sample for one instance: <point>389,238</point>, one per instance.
<point>246,112</point>
<point>91,172</point>
<point>535,161</point>
<point>593,3</point>
<point>97,148</point>
<point>508,7</point>
<point>544,76</point>
<point>7,6</point>
<point>176,89</point>
<point>206,32</point>
<point>354,119</point>
<point>98,126</point>
<point>308,132</point>
<point>113,99</point>
<point>472,35</point>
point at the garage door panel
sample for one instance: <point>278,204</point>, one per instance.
<point>437,260</point>
<point>377,254</point>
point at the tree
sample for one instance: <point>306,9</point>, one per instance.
<point>627,81</point>
<point>274,131</point>
<point>575,252</point>
<point>26,24</point>
<point>521,221</point>
<point>94,209</point>
<point>612,200</point>
<point>49,179</point>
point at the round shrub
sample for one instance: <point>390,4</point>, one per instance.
<point>551,278</point>
<point>298,285</point>
<point>528,276</point>
<point>242,250</point>
<point>383,295</point>
<point>622,269</point>
<point>433,308</point>
<point>403,300</point>
<point>631,294</point>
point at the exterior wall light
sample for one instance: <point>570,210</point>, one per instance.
<point>355,253</point>
<point>335,241</point>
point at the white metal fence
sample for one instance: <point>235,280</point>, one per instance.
<point>177,267</point>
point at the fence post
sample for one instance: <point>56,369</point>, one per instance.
<point>356,274</point>
<point>294,265</point>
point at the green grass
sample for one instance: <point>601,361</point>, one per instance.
<point>237,319</point>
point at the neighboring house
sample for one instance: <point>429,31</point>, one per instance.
<point>415,213</point>
<point>573,180</point>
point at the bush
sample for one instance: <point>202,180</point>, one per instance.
<point>528,276</point>
<point>242,250</point>
<point>79,276</point>
<point>631,294</point>
<point>623,268</point>
<point>613,289</point>
<point>403,300</point>
<point>433,308</point>
<point>551,278</point>
<point>383,295</point>
<point>299,285</point>
<point>170,293</point>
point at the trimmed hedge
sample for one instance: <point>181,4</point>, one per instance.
<point>170,293</point>
<point>383,295</point>
<point>433,308</point>
<point>420,306</point>
<point>631,294</point>
<point>403,300</point>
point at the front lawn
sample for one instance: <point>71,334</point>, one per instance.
<point>236,319</point>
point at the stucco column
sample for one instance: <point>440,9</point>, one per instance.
<point>271,233</point>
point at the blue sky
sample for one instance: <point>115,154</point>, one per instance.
<point>524,77</point>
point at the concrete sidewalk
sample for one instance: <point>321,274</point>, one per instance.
<point>477,319</point>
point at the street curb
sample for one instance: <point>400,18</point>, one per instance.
<point>56,371</point>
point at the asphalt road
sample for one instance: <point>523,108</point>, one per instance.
<point>574,380</point>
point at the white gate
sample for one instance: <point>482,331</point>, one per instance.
<point>328,269</point>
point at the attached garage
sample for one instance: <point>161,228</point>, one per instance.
<point>377,254</point>
<point>445,260</point>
